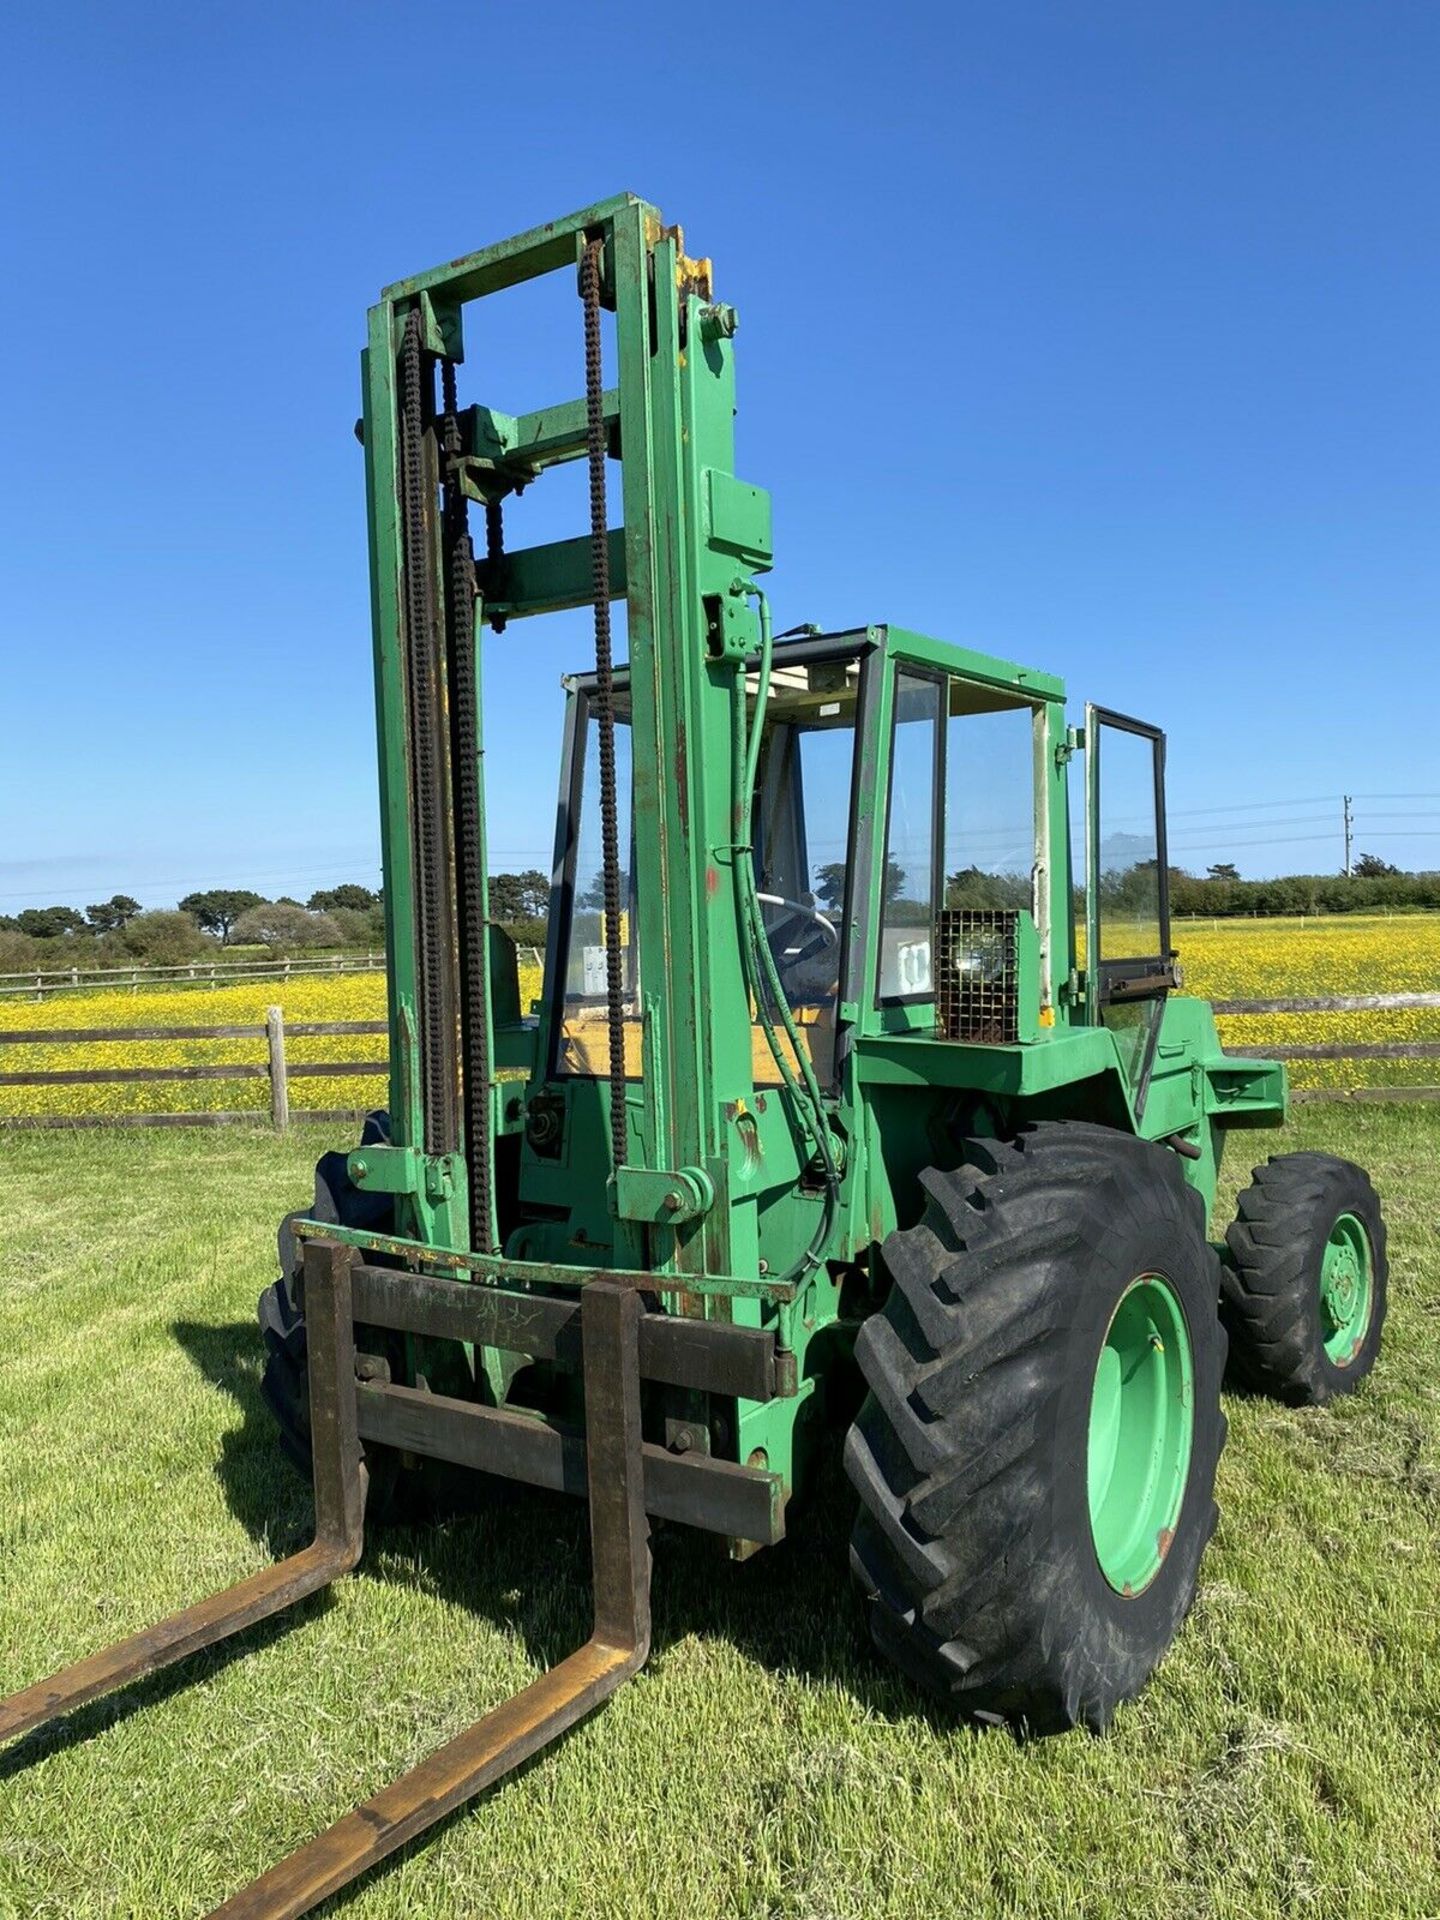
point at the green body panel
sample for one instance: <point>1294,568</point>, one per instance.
<point>720,1191</point>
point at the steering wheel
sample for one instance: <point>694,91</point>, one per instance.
<point>793,959</point>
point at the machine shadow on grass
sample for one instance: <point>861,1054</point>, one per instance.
<point>525,1564</point>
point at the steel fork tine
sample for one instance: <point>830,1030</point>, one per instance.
<point>339,1526</point>
<point>495,1745</point>
<point>521,1726</point>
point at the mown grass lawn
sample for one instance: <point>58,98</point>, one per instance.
<point>1286,1760</point>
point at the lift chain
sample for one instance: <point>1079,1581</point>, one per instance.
<point>469,865</point>
<point>427,773</point>
<point>590,262</point>
<point>495,551</point>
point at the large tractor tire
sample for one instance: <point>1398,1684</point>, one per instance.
<point>1304,1294</point>
<point>285,1382</point>
<point>1036,1457</point>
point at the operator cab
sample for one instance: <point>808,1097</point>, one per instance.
<point>911,854</point>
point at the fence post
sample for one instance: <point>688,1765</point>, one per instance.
<point>279,1086</point>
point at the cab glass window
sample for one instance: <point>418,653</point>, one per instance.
<point>1127,855</point>
<point>584,1032</point>
<point>801,824</point>
<point>989,799</point>
<point>912,845</point>
<point>1131,969</point>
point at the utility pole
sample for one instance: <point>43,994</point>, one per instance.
<point>1349,831</point>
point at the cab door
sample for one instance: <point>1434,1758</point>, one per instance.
<point>1129,964</point>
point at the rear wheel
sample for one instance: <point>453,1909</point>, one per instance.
<point>1036,1458</point>
<point>1304,1296</point>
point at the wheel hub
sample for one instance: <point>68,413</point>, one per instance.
<point>1142,1421</point>
<point>1345,1289</point>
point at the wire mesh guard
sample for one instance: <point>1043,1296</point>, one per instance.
<point>977,985</point>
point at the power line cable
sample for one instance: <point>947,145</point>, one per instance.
<point>1255,806</point>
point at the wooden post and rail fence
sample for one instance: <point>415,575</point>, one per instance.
<point>40,983</point>
<point>279,1071</point>
<point>1345,1049</point>
<point>275,1068</point>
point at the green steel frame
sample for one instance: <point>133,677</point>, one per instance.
<point>722,1189</point>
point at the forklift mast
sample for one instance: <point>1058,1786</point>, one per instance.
<point>692,538</point>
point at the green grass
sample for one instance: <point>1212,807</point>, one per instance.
<point>1284,1761</point>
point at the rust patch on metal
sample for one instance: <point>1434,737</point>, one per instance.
<point>682,778</point>
<point>691,276</point>
<point>1164,1540</point>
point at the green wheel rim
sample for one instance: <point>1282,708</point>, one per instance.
<point>1347,1289</point>
<point>1142,1426</point>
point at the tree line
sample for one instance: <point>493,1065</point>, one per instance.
<point>1372,887</point>
<point>118,931</point>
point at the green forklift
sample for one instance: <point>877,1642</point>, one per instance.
<point>859,1107</point>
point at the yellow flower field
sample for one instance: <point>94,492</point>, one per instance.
<point>356,996</point>
<point>1226,959</point>
<point>1292,959</point>
<point>1347,953</point>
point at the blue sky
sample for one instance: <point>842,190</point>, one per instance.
<point>1100,337</point>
